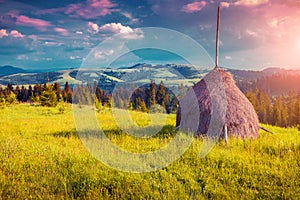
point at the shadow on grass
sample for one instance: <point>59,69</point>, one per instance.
<point>66,134</point>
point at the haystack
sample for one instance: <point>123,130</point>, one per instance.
<point>239,118</point>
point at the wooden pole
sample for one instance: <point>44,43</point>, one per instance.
<point>226,134</point>
<point>217,39</point>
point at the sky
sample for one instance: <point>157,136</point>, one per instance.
<point>255,34</point>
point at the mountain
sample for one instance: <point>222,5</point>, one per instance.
<point>8,70</point>
<point>171,74</point>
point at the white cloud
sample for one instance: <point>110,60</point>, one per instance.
<point>125,32</point>
<point>126,14</point>
<point>251,33</point>
<point>22,57</point>
<point>103,54</point>
<point>116,28</point>
<point>228,57</point>
<point>79,32</point>
<point>93,27</point>
<point>51,43</point>
<point>130,17</point>
<point>74,57</point>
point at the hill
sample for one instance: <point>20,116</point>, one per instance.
<point>171,74</point>
<point>8,70</point>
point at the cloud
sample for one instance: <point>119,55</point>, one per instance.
<point>79,32</point>
<point>228,58</point>
<point>93,27</point>
<point>251,33</point>
<point>16,34</point>
<point>273,23</point>
<point>125,32</point>
<point>103,54</point>
<point>91,9</point>
<point>12,33</point>
<point>224,4</point>
<point>74,57</point>
<point>250,2</point>
<point>22,57</point>
<point>193,7</point>
<point>116,28</point>
<point>3,33</point>
<point>51,43</point>
<point>130,17</point>
<point>27,21</point>
<point>62,31</point>
<point>12,45</point>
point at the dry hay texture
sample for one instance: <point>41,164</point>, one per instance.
<point>239,114</point>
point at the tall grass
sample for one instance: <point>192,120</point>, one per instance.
<point>41,157</point>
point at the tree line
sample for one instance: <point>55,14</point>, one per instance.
<point>275,84</point>
<point>281,110</point>
<point>142,99</point>
<point>45,94</point>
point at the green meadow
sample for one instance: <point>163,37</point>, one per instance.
<point>42,157</point>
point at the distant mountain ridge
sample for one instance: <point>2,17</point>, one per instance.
<point>9,70</point>
<point>170,74</point>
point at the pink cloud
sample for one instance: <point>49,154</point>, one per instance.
<point>250,2</point>
<point>16,34</point>
<point>49,11</point>
<point>193,7</point>
<point>3,33</point>
<point>91,9</point>
<point>37,23</point>
<point>62,31</point>
<point>225,4</point>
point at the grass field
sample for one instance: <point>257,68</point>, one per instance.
<point>41,157</point>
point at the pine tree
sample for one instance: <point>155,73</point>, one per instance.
<point>143,106</point>
<point>160,94</point>
<point>67,93</point>
<point>56,88</point>
<point>48,97</point>
<point>152,93</point>
<point>291,109</point>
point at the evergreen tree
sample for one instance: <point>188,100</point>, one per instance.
<point>152,93</point>
<point>291,109</point>
<point>67,93</point>
<point>161,94</point>
<point>48,97</point>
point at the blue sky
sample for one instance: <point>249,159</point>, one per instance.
<point>255,34</point>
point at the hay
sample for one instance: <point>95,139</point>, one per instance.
<point>238,113</point>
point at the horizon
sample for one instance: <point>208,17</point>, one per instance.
<point>153,64</point>
<point>254,34</point>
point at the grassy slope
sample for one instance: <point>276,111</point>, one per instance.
<point>41,157</point>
